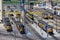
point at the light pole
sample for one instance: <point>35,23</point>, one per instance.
<point>56,18</point>
<point>56,24</point>
<point>22,10</point>
<point>0,10</point>
<point>55,13</point>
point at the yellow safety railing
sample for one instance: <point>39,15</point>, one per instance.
<point>36,12</point>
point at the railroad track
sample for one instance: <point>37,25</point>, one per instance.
<point>49,34</point>
<point>50,22</point>
<point>29,24</point>
<point>12,35</point>
<point>54,36</point>
<point>20,33</point>
<point>55,16</point>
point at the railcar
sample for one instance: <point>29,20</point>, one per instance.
<point>45,16</point>
<point>46,27</point>
<point>51,16</point>
<point>8,25</point>
<point>21,28</point>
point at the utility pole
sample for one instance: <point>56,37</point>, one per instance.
<point>22,10</point>
<point>0,10</point>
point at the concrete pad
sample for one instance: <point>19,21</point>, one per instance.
<point>10,38</point>
<point>40,31</point>
<point>56,34</point>
<point>2,27</point>
<point>57,20</point>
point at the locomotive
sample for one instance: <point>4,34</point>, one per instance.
<point>46,27</point>
<point>48,16</point>
<point>8,25</point>
<point>20,27</point>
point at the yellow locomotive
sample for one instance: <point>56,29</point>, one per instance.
<point>8,25</point>
<point>21,28</point>
<point>50,30</point>
<point>51,16</point>
<point>8,28</point>
<point>44,26</point>
<point>41,24</point>
<point>45,16</point>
